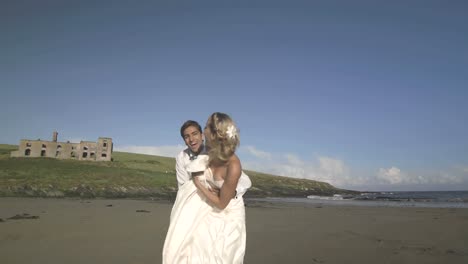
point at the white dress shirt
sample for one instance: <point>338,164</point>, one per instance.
<point>183,160</point>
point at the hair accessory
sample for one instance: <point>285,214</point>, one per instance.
<point>231,131</point>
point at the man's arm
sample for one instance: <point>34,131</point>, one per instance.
<point>182,174</point>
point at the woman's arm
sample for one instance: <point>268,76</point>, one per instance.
<point>228,190</point>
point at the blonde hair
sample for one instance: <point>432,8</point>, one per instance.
<point>224,138</point>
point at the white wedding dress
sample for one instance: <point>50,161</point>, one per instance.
<point>201,233</point>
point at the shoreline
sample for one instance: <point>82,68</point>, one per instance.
<point>133,231</point>
<point>359,203</point>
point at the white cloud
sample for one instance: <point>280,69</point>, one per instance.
<point>448,178</point>
<point>258,153</point>
<point>338,173</point>
<point>392,175</point>
<point>294,160</point>
<point>395,177</point>
<point>327,169</point>
<point>167,151</point>
<point>332,167</point>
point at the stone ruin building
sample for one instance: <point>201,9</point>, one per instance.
<point>85,150</point>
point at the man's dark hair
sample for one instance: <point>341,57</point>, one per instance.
<point>187,124</point>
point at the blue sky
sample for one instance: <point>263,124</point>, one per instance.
<point>368,95</point>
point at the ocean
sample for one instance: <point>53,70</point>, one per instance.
<point>434,199</point>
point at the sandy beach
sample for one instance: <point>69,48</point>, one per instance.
<point>133,231</point>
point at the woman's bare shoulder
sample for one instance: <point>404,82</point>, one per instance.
<point>234,165</point>
<point>234,161</point>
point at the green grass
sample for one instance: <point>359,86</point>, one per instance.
<point>6,149</point>
<point>129,175</point>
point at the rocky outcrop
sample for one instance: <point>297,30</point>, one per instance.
<point>87,191</point>
<point>168,193</point>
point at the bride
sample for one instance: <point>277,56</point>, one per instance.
<point>207,223</point>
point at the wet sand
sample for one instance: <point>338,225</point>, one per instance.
<point>132,231</point>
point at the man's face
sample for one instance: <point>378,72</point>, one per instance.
<point>193,138</point>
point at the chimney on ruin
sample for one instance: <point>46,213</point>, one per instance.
<point>54,137</point>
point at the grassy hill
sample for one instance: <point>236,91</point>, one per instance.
<point>128,176</point>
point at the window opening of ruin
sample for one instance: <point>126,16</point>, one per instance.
<point>27,152</point>
<point>85,148</point>
<point>92,154</point>
<point>104,144</point>
<point>85,154</point>
<point>28,144</point>
<point>43,152</point>
<point>44,146</point>
<point>104,155</point>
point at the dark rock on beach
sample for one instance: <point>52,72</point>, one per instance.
<point>23,216</point>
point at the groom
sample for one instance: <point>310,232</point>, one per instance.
<point>192,135</point>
